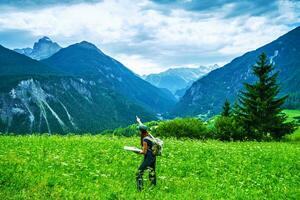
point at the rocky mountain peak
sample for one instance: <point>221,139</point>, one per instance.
<point>42,49</point>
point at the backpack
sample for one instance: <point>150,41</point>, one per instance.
<point>157,145</point>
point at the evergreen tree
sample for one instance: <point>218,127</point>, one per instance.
<point>226,109</point>
<point>260,109</point>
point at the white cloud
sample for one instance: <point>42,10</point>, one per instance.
<point>289,11</point>
<point>253,33</point>
<point>103,21</point>
<point>153,40</point>
<point>139,65</point>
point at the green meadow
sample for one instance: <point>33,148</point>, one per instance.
<point>97,167</point>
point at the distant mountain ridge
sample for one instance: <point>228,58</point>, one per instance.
<point>207,95</point>
<point>42,49</point>
<point>177,80</point>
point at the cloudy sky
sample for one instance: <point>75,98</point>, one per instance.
<point>151,36</point>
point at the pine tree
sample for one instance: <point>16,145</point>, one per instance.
<point>226,109</point>
<point>260,109</point>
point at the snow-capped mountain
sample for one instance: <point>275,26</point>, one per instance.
<point>42,49</point>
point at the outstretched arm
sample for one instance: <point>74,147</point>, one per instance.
<point>139,120</point>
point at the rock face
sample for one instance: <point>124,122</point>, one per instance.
<point>207,95</point>
<point>62,105</point>
<point>42,49</point>
<point>177,80</point>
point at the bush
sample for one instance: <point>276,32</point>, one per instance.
<point>227,129</point>
<point>218,127</point>
<point>179,128</point>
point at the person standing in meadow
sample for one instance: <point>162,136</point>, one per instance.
<point>149,161</point>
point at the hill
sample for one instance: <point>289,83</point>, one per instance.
<point>207,95</point>
<point>97,167</point>
<point>12,63</point>
<point>86,61</point>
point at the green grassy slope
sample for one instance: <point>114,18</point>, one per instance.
<point>96,167</point>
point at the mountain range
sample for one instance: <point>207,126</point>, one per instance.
<point>178,80</point>
<point>207,95</point>
<point>81,89</point>
<point>77,89</point>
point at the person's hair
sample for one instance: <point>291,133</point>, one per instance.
<point>144,133</point>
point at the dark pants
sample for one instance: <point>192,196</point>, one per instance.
<point>148,163</point>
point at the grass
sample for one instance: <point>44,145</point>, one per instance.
<point>97,167</point>
<point>293,115</point>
